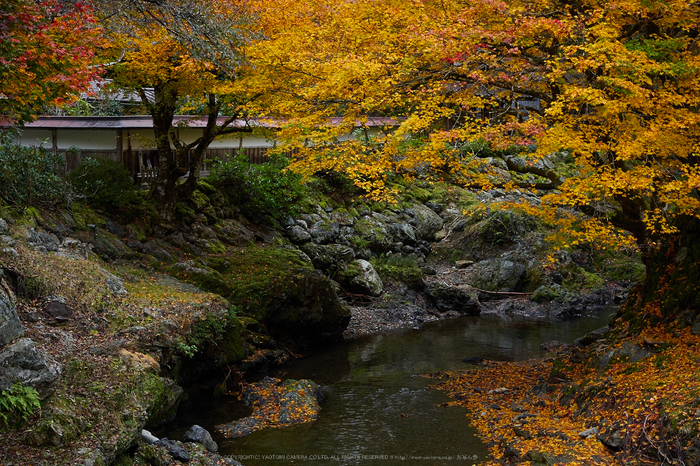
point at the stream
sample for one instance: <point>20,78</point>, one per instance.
<point>380,411</point>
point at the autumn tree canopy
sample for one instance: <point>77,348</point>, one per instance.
<point>615,84</point>
<point>189,53</point>
<point>47,50</point>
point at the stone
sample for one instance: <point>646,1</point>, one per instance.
<point>588,433</point>
<point>114,228</point>
<point>44,239</point>
<point>298,235</point>
<point>148,437</point>
<point>175,450</point>
<point>450,298</point>
<point>324,232</point>
<point>234,233</point>
<point>403,233</point>
<point>108,246</point>
<point>612,438</point>
<point>696,326</point>
<point>197,434</point>
<point>10,325</point>
<point>366,280</point>
<point>276,404</point>
<point>500,274</point>
<point>139,361</point>
<point>327,257</point>
<point>114,284</point>
<point>4,229</point>
<point>56,306</point>
<point>304,305</point>
<point>463,264</point>
<point>425,221</point>
<point>23,362</point>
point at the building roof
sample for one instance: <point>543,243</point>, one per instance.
<point>146,122</point>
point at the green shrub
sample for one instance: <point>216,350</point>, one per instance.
<point>267,188</point>
<point>17,403</point>
<point>103,183</point>
<point>31,176</point>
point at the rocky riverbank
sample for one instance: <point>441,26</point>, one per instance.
<point>140,308</point>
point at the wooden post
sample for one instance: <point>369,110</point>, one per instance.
<point>120,147</point>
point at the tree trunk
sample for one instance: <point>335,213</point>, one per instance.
<point>669,293</point>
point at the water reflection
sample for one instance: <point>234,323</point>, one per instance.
<point>380,407</point>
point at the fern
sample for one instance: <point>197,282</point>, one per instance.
<point>19,402</point>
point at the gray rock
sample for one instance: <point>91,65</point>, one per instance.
<point>115,285</point>
<point>10,252</point>
<point>57,307</point>
<point>175,450</point>
<point>324,232</point>
<point>7,240</point>
<point>372,234</point>
<point>403,233</point>
<point>305,304</point>
<point>298,235</point>
<point>450,298</point>
<point>463,264</point>
<point>156,249</point>
<point>115,228</point>
<point>612,438</point>
<point>23,362</point>
<point>425,221</point>
<point>10,325</point>
<point>366,280</point>
<point>148,437</point>
<point>500,274</point>
<point>327,257</point>
<point>198,434</point>
<point>108,246</point>
<point>588,433</point>
<point>43,239</point>
<point>4,230</point>
<point>234,233</point>
<point>696,326</point>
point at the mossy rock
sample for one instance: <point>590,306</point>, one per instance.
<point>304,305</point>
<point>198,201</point>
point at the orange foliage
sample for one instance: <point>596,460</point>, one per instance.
<point>46,54</point>
<point>617,85</point>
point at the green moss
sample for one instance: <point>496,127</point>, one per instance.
<point>84,216</point>
<point>206,187</point>
<point>402,269</point>
<point>199,201</point>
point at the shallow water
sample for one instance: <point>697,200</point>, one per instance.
<point>380,410</point>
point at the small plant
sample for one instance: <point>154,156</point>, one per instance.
<point>187,350</point>
<point>31,176</point>
<point>17,404</point>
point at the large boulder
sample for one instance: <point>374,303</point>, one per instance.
<point>304,305</point>
<point>360,277</point>
<point>327,256</point>
<point>198,434</point>
<point>23,362</point>
<point>502,274</point>
<point>450,298</point>
<point>425,221</point>
<point>10,325</point>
